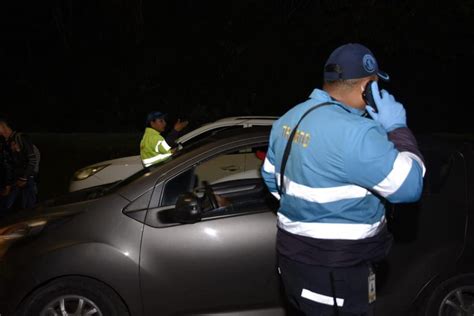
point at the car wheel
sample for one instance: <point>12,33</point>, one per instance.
<point>454,297</point>
<point>73,296</point>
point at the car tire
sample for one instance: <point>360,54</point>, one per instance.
<point>453,294</point>
<point>94,295</point>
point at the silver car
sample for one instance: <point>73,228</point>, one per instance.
<point>181,238</point>
<point>120,250</point>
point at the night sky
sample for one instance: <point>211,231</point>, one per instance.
<point>101,65</point>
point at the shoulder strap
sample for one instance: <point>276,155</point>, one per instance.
<point>286,153</point>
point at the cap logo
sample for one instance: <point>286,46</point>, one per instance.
<point>369,63</point>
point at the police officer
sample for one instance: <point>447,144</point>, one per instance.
<point>332,167</point>
<point>154,147</point>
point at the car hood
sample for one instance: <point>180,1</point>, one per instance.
<point>72,202</point>
<point>130,160</point>
<point>45,213</point>
<point>78,196</point>
<point>63,206</point>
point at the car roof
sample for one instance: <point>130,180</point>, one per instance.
<point>230,134</point>
<point>229,122</point>
<point>242,132</point>
<point>238,118</point>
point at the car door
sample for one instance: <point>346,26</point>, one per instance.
<point>428,235</point>
<point>224,263</point>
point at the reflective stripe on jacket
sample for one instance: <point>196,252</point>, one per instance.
<point>341,164</point>
<point>153,147</point>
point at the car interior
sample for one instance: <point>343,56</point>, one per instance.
<point>226,184</point>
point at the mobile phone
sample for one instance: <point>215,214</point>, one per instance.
<point>369,97</point>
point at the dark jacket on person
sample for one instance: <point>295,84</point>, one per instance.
<point>22,158</point>
<point>3,165</point>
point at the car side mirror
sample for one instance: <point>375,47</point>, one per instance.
<point>188,209</point>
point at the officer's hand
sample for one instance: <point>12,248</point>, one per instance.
<point>391,114</point>
<point>179,126</point>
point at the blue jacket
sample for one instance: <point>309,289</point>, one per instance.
<point>340,167</point>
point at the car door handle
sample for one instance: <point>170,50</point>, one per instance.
<point>231,168</point>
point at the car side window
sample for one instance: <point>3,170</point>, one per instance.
<point>228,184</point>
<point>244,163</point>
<point>137,209</point>
<point>182,183</point>
<point>227,173</point>
<point>141,203</point>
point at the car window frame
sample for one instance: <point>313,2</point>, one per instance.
<point>158,191</point>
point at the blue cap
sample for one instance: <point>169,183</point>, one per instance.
<point>352,61</point>
<point>154,116</point>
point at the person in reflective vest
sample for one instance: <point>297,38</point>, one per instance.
<point>333,162</point>
<point>155,148</point>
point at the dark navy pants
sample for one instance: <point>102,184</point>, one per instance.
<point>310,290</point>
<point>25,196</point>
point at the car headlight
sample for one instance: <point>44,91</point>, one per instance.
<point>85,173</point>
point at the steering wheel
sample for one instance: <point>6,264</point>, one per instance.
<point>210,195</point>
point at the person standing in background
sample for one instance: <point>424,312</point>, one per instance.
<point>3,168</point>
<point>20,161</point>
<point>155,148</point>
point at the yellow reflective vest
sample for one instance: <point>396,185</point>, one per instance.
<point>153,147</point>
